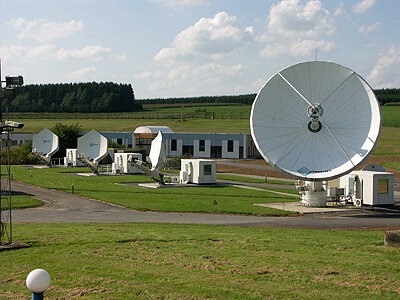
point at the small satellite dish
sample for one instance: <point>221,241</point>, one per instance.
<point>44,145</point>
<point>92,148</point>
<point>157,153</point>
<point>315,120</point>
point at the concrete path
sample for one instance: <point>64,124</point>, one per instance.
<point>66,208</point>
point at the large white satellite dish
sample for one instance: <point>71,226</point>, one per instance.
<point>315,120</point>
<point>92,148</point>
<point>44,145</point>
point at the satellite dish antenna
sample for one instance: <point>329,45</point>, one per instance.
<point>92,148</point>
<point>157,153</point>
<point>157,157</point>
<point>44,145</point>
<point>315,121</point>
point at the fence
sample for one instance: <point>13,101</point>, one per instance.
<point>155,115</point>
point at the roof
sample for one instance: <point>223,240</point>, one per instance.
<point>153,129</point>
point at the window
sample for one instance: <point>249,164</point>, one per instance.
<point>202,145</point>
<point>230,145</point>
<point>119,141</point>
<point>382,186</point>
<point>174,145</point>
<point>207,170</point>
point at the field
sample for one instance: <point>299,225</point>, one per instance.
<point>230,199</point>
<point>153,261</point>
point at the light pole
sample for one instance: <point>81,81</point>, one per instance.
<point>37,282</point>
<point>5,185</point>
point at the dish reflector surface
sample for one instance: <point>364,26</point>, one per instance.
<point>315,120</point>
<point>45,142</point>
<point>157,153</point>
<point>93,146</point>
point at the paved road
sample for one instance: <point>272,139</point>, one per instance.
<point>66,208</point>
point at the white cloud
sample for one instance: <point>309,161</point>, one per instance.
<point>298,48</point>
<point>291,18</point>
<point>209,75</point>
<point>88,52</point>
<point>82,73</point>
<point>362,6</point>
<point>365,30</point>
<point>42,30</point>
<point>340,10</point>
<point>296,29</point>
<point>386,73</point>
<point>121,57</point>
<point>209,38</point>
<point>182,3</point>
<point>21,53</point>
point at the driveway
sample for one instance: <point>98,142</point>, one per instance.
<point>61,207</point>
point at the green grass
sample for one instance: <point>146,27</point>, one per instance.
<point>392,165</point>
<point>20,201</point>
<point>390,116</point>
<point>388,143</point>
<point>185,199</point>
<point>164,261</point>
<point>190,125</point>
<point>251,179</point>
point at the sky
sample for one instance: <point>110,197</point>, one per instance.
<point>185,48</point>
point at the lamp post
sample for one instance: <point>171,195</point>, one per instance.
<point>5,189</point>
<point>37,282</point>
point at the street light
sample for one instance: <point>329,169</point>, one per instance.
<point>37,282</point>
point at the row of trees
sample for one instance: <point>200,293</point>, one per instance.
<point>73,97</point>
<point>383,95</point>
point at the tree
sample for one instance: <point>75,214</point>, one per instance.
<point>67,136</point>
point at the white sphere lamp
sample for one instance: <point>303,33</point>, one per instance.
<point>37,282</point>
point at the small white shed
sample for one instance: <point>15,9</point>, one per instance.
<point>369,187</point>
<point>70,159</point>
<point>199,171</point>
<point>122,166</point>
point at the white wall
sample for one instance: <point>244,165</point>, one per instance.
<point>203,154</point>
<point>178,151</point>
<point>226,154</point>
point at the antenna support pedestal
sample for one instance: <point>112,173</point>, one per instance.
<point>313,193</point>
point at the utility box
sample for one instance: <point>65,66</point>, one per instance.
<point>121,165</point>
<point>199,171</point>
<point>70,159</point>
<point>369,187</point>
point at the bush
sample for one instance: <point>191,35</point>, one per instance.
<point>21,155</point>
<point>175,163</point>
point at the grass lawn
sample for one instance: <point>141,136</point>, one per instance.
<point>164,261</point>
<point>251,179</point>
<point>190,125</point>
<point>20,201</point>
<point>186,199</point>
<point>388,143</point>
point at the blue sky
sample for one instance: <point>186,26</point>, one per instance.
<point>181,48</point>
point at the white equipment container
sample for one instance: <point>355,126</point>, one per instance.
<point>70,159</point>
<point>369,187</point>
<point>121,165</point>
<point>199,171</point>
<point>315,121</point>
